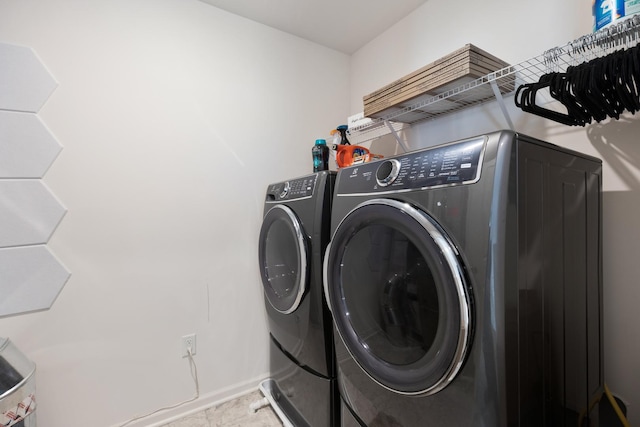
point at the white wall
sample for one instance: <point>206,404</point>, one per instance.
<point>174,117</point>
<point>516,31</point>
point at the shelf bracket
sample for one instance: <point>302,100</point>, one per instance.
<point>396,136</point>
<point>500,99</point>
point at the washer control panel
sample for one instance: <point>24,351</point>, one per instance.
<point>298,188</point>
<point>449,164</point>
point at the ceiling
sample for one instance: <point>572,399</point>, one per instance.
<point>343,25</point>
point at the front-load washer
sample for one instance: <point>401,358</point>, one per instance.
<point>292,242</point>
<point>465,283</point>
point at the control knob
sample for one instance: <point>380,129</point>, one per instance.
<point>387,172</point>
<point>285,190</point>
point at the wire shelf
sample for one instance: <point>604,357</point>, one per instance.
<point>624,34</point>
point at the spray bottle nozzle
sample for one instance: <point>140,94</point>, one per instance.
<point>343,134</point>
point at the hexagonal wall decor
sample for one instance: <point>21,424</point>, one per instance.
<point>25,83</point>
<point>27,148</point>
<point>32,278</point>
<point>29,212</point>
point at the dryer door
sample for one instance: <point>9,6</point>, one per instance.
<point>399,296</point>
<point>283,255</point>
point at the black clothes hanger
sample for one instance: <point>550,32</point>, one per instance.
<point>595,90</point>
<point>525,99</point>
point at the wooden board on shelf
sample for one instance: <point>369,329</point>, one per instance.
<point>460,67</point>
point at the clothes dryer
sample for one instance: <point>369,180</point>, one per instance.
<point>293,238</point>
<point>465,283</point>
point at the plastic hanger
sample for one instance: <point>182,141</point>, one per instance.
<point>593,90</point>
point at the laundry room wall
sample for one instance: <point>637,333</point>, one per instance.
<point>516,31</point>
<point>173,117</point>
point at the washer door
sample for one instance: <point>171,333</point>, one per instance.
<point>283,256</point>
<point>399,296</point>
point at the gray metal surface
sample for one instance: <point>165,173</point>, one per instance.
<point>529,235</point>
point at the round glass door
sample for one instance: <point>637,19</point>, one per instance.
<point>283,258</point>
<point>399,296</point>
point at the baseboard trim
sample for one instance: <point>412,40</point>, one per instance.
<point>208,400</point>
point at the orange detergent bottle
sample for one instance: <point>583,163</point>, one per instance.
<point>347,154</point>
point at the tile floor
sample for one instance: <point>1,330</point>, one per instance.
<point>235,413</point>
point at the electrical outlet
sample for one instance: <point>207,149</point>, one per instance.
<point>188,342</point>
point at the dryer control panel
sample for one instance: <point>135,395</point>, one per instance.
<point>298,188</point>
<point>450,164</point>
